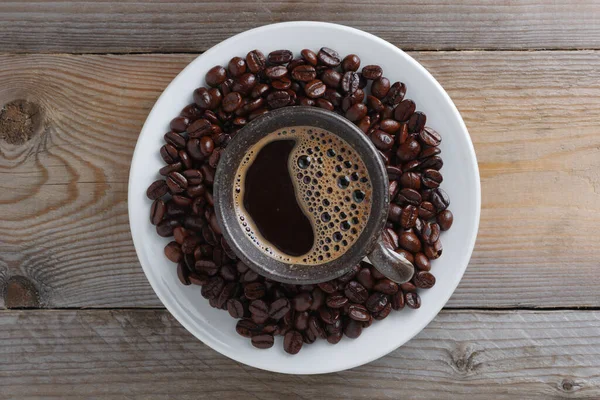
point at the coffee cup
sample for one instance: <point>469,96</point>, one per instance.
<point>302,196</point>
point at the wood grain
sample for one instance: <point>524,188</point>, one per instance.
<point>533,117</point>
<point>191,26</point>
<point>148,355</point>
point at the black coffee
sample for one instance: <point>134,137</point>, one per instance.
<point>303,195</point>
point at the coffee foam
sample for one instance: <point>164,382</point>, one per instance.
<point>332,186</point>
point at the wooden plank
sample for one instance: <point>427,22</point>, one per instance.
<point>146,354</point>
<point>532,116</point>
<point>190,26</point>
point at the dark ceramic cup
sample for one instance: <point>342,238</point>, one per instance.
<point>369,244</point>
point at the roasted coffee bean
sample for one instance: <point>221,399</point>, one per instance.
<point>169,154</point>
<point>434,163</point>
<point>408,217</point>
<point>376,302</point>
<point>315,328</point>
<point>256,61</point>
<point>353,329</point>
<point>334,338</point>
<point>392,237</point>
<point>331,78</point>
<point>176,182</point>
<point>304,73</point>
<point>445,219</point>
<point>372,72</point>
<point>183,274</point>
<point>386,286</point>
<point>336,300</point>
<point>322,103</point>
<point>236,66</point>
<point>329,57</point>
<point>409,241</point>
<point>157,189</point>
<point>426,210</point>
<point>254,290</point>
<point>429,152</point>
<point>262,341</point>
<point>314,89</point>
<point>390,126</point>
<point>329,315</point>
<point>198,279</point>
<point>424,280</point>
<point>279,308</point>
<point>245,83</point>
<point>215,76</point>
<point>394,213</point>
<point>365,278</point>
<point>227,292</point>
<point>404,110</point>
<point>358,312</point>
<point>280,57</point>
<point>246,328</point>
<point>430,137</point>
<point>431,178</point>
<point>430,233</point>
<point>179,124</point>
<point>259,309</point>
<point>383,313</point>
<point>175,139</point>
<point>394,189</point>
<point>302,301</point>
<point>422,262</point>
<point>276,72</point>
<point>213,288</point>
<point>201,127</point>
<point>318,299</point>
<point>309,56</point>
<point>375,104</point>
<point>351,63</point>
<point>202,98</point>
<point>402,134</point>
<point>356,292</point>
<point>292,342</point>
<point>297,62</point>
<point>165,227</point>
<point>260,90</point>
<point>301,321</point>
<point>207,145</point>
<point>228,272</point>
<point>283,83</point>
<point>416,122</point>
<point>408,196</point>
<point>396,94</point>
<point>394,173</point>
<point>412,300</point>
<point>207,267</point>
<point>380,88</point>
<point>433,251</point>
<point>383,141</point>
<point>192,112</point>
<point>350,82</point>
<point>182,201</point>
<point>397,301</point>
<point>157,211</point>
<point>232,102</point>
<point>440,199</point>
<point>350,100</point>
<point>173,252</point>
<point>250,276</point>
<point>357,112</point>
<point>195,191</point>
<point>215,98</point>
<point>413,165</point>
<point>278,99</point>
<point>408,151</point>
<point>407,255</point>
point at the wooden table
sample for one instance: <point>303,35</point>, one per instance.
<point>78,318</point>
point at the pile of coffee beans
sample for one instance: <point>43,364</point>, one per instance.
<point>183,203</point>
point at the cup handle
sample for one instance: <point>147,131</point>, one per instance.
<point>391,264</point>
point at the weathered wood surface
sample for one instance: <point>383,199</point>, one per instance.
<point>533,116</point>
<point>192,26</point>
<point>148,355</point>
